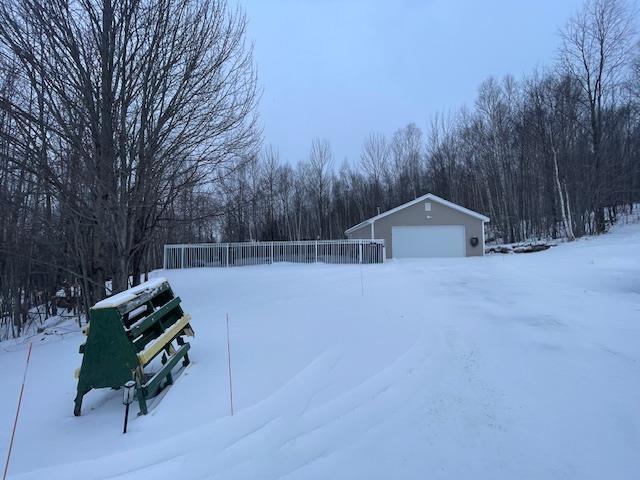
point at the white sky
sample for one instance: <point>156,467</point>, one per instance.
<point>340,69</point>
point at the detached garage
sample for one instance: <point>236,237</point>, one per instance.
<point>428,226</point>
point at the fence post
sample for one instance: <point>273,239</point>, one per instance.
<point>316,251</point>
<point>360,251</point>
<point>227,254</point>
<point>182,263</point>
<point>164,259</point>
<point>384,252</point>
<point>271,253</point>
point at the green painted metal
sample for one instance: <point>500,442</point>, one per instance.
<point>118,332</point>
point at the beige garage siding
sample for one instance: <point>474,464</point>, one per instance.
<point>416,215</point>
<point>363,232</point>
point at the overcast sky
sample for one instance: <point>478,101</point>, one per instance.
<point>340,69</point>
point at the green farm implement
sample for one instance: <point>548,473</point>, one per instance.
<point>126,332</point>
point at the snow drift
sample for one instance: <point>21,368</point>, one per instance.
<point>522,366</point>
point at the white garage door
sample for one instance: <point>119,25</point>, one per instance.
<point>432,241</point>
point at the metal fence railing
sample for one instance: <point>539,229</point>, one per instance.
<point>259,253</point>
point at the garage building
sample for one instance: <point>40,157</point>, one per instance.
<point>428,226</point>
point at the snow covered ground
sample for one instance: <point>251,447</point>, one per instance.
<point>502,367</point>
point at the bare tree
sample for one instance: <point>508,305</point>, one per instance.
<point>141,100</point>
<point>319,171</point>
<point>548,98</point>
<point>271,177</point>
<point>595,52</point>
<point>374,161</point>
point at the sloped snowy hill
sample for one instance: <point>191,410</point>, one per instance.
<point>520,366</point>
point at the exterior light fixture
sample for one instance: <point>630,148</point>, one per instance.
<point>128,394</point>
<point>474,241</point>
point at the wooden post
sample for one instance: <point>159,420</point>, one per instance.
<point>316,251</point>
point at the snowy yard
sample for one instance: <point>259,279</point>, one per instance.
<point>519,366</point>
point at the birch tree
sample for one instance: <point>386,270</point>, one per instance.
<point>595,52</point>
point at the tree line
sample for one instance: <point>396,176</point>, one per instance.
<point>112,113</point>
<point>555,154</point>
<point>128,124</point>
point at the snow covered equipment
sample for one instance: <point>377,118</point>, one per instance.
<point>125,333</point>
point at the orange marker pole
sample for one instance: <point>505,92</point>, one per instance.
<point>15,422</point>
<point>229,363</point>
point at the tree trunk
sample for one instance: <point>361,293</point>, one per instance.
<point>568,228</point>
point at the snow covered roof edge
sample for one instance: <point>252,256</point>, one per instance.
<point>428,196</point>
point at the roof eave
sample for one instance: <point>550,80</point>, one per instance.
<point>358,226</point>
<point>426,196</point>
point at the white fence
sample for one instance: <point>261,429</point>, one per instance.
<point>258,253</point>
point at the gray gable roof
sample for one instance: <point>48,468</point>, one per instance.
<point>428,196</point>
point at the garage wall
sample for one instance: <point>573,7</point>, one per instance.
<point>415,215</point>
<point>363,233</point>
